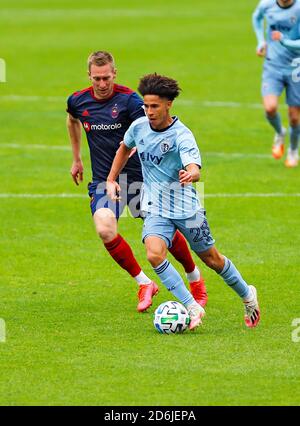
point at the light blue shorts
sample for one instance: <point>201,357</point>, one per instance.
<point>276,79</point>
<point>195,230</point>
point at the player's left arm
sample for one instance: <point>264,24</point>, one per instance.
<point>190,158</point>
<point>189,174</point>
<point>290,44</point>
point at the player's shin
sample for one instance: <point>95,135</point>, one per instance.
<point>173,282</point>
<point>121,252</point>
<point>182,254</point>
<point>233,279</point>
<point>294,137</point>
<point>275,121</point>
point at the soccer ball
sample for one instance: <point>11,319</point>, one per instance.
<point>171,317</point>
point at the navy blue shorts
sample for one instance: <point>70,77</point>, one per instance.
<point>130,195</point>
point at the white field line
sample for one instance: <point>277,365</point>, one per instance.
<point>182,102</point>
<point>68,148</point>
<point>35,146</point>
<point>21,98</point>
<point>43,196</point>
<point>98,13</point>
<point>224,195</point>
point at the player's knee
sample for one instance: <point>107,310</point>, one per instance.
<point>155,257</point>
<point>105,224</point>
<point>106,231</point>
<point>294,120</point>
<point>271,110</point>
<point>106,235</point>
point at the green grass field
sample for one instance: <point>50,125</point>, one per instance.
<point>73,336</point>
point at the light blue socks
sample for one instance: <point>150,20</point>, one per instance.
<point>233,278</point>
<point>275,122</point>
<point>174,283</point>
<point>294,137</point>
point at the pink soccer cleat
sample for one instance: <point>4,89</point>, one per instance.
<point>145,294</point>
<point>198,291</point>
<point>278,147</point>
<point>196,313</point>
<point>292,158</point>
<point>252,311</point>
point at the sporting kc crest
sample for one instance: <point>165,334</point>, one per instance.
<point>165,146</point>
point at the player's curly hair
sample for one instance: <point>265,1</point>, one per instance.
<point>155,84</point>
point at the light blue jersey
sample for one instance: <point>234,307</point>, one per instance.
<point>163,154</point>
<point>287,21</point>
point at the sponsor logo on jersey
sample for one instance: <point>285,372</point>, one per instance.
<point>280,27</point>
<point>88,127</point>
<point>114,111</point>
<point>165,146</point>
<point>146,156</point>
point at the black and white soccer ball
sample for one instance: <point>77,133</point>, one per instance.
<point>171,317</point>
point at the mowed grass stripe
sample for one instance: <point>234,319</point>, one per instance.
<point>225,195</point>
<point>180,102</point>
<point>68,149</point>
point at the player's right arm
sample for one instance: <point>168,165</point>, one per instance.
<point>74,130</point>
<point>112,187</point>
<point>259,29</point>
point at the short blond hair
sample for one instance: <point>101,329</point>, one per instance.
<point>100,58</point>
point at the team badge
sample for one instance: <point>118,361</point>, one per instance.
<point>165,146</point>
<point>114,111</point>
<point>293,20</point>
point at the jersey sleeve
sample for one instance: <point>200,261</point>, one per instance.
<point>258,21</point>
<point>71,108</point>
<point>129,140</point>
<point>189,151</point>
<point>135,107</point>
<point>293,45</point>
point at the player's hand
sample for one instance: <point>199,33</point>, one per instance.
<point>185,177</point>
<point>113,190</point>
<point>276,35</point>
<point>77,171</point>
<point>261,49</point>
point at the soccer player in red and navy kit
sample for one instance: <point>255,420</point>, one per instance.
<point>105,111</point>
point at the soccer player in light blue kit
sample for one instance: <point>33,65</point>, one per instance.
<point>281,49</point>
<point>171,161</point>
